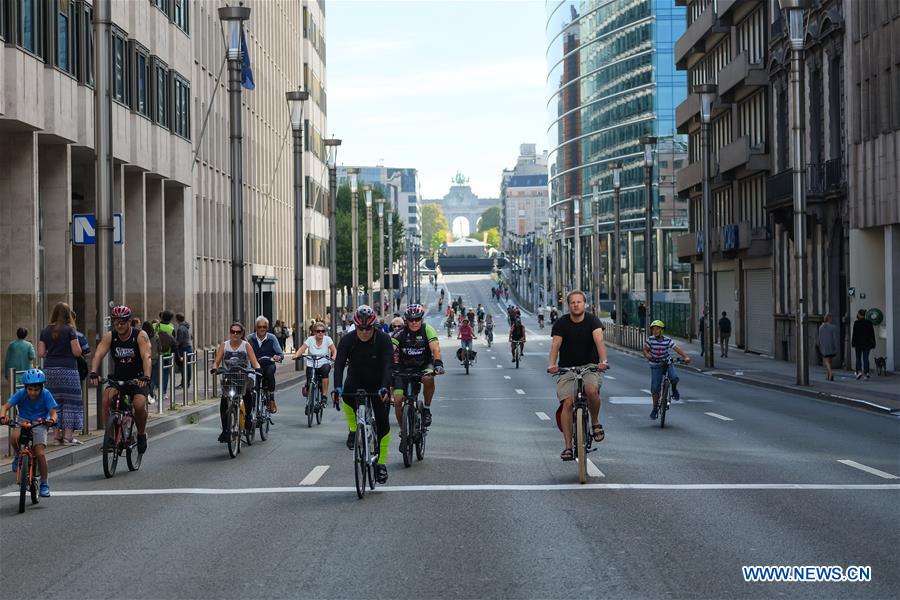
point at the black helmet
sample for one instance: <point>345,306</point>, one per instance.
<point>364,317</point>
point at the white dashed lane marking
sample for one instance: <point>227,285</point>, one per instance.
<point>315,475</point>
<point>718,416</point>
<point>542,416</point>
<point>521,392</point>
<point>862,467</point>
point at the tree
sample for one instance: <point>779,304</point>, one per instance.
<point>434,226</point>
<point>489,219</point>
<point>493,237</point>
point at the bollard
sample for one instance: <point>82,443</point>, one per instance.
<point>159,389</point>
<point>189,360</point>
<point>171,368</point>
<point>211,358</point>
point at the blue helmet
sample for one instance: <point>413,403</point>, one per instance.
<point>34,377</point>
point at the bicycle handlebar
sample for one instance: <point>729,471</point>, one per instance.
<point>315,358</point>
<point>118,384</point>
<point>29,424</point>
<point>578,370</point>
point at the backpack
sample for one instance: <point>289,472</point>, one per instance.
<point>165,342</point>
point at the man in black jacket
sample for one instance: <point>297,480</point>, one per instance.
<point>863,342</point>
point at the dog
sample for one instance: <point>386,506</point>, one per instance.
<point>880,365</point>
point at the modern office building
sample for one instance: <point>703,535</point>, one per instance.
<point>403,183</point>
<point>612,79</point>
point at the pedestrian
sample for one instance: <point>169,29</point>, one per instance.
<point>612,314</point>
<point>701,334</point>
<point>165,331</point>
<point>724,333</point>
<point>863,341</point>
<point>83,368</point>
<point>642,315</point>
<point>828,343</point>
<point>60,348</point>
<point>625,317</point>
<point>278,332</point>
<point>148,328</point>
<point>19,355</point>
<point>184,341</point>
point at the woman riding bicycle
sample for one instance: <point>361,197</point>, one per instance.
<point>236,353</point>
<point>466,334</point>
<point>317,344</point>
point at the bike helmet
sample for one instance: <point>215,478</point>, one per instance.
<point>658,323</point>
<point>121,312</point>
<point>415,311</point>
<point>34,377</point>
<point>364,317</point>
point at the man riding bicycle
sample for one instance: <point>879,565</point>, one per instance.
<point>577,341</point>
<point>368,356</point>
<point>480,314</point>
<point>268,352</point>
<point>656,350</point>
<point>416,347</point>
<point>130,350</point>
<point>517,336</point>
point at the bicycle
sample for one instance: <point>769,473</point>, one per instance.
<point>450,325</point>
<point>365,444</point>
<point>665,398</point>
<point>489,336</point>
<point>581,436</point>
<point>261,417</point>
<point>315,402</point>
<point>412,429</point>
<point>466,357</point>
<point>119,434</point>
<point>234,382</point>
<point>517,351</point>
<point>25,475</point>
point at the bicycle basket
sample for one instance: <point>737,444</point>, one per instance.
<point>233,383</point>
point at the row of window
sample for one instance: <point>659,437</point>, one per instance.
<point>316,91</point>
<point>176,10</point>
<point>317,252</point>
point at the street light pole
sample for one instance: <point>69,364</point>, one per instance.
<point>295,99</point>
<point>795,11</point>
<point>332,146</point>
<point>390,218</point>
<point>354,241</point>
<point>576,222</point>
<point>595,258</point>
<point>380,205</point>
<point>648,142</point>
<point>369,291</point>
<point>707,96</point>
<point>234,17</point>
<point>616,252</point>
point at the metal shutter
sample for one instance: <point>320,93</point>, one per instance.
<point>760,310</point>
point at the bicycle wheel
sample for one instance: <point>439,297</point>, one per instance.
<point>407,432</point>
<point>310,407</point>
<point>421,432</point>
<point>234,430</point>
<point>517,357</point>
<point>320,407</point>
<point>111,450</point>
<point>580,444</point>
<point>132,457</point>
<point>466,363</point>
<point>373,453</point>
<point>263,421</point>
<point>663,403</point>
<point>359,462</point>
<point>248,421</point>
<point>24,479</point>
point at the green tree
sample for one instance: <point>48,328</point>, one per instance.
<point>493,237</point>
<point>489,219</point>
<point>434,225</point>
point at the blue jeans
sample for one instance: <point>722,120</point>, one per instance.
<point>656,375</point>
<point>862,360</point>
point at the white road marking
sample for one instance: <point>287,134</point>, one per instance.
<point>592,470</point>
<point>630,400</point>
<point>862,467</point>
<point>609,377</point>
<point>699,401</point>
<point>507,377</point>
<point>542,416</point>
<point>493,357</point>
<point>498,366</point>
<point>476,488</point>
<point>646,391</point>
<point>314,476</point>
<point>521,392</point>
<point>718,416</point>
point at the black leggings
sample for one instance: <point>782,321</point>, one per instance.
<point>223,408</point>
<point>379,408</point>
<point>322,372</point>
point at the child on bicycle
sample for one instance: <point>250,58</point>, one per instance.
<point>656,350</point>
<point>34,402</point>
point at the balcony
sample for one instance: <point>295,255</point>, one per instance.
<point>735,236</point>
<point>686,111</point>
<point>724,8</point>
<point>699,36</point>
<point>780,190</point>
<point>688,177</point>
<point>740,73</point>
<point>686,245</point>
<point>825,178</point>
<point>740,153</point>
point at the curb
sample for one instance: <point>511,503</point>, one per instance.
<point>833,398</point>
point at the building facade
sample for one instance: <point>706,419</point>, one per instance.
<point>524,197</point>
<point>401,184</point>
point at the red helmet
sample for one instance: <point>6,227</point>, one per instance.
<point>121,312</point>
<point>364,317</point>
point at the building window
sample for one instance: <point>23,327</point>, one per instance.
<point>180,15</point>
<point>181,95</point>
<point>162,5</point>
<point>752,120</point>
<point>160,92</point>
<point>120,91</point>
<point>65,35</point>
<point>140,66</point>
<point>31,16</point>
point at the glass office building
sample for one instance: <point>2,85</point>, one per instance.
<point>611,79</point>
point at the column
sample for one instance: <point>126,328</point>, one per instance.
<point>156,247</point>
<point>176,254</point>
<point>135,243</point>
<point>55,185</point>
<point>118,206</point>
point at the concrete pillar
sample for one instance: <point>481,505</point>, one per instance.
<point>177,249</point>
<point>135,246</point>
<point>156,247</point>
<point>83,266</point>
<point>891,295</point>
<point>118,203</point>
<point>55,187</point>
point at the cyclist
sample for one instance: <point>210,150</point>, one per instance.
<point>318,344</point>
<point>480,314</point>
<point>517,334</point>
<point>466,334</point>
<point>656,351</point>
<point>130,351</point>
<point>541,317</point>
<point>577,341</point>
<point>553,315</point>
<point>489,326</point>
<point>416,347</point>
<point>368,355</point>
<point>235,352</point>
<point>34,402</point>
<point>268,352</point>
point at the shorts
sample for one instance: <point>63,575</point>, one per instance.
<point>565,384</point>
<point>656,374</point>
<point>134,390</point>
<point>399,382</point>
<point>38,434</point>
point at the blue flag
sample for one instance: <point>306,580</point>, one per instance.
<point>246,71</point>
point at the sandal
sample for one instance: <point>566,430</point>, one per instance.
<point>597,432</point>
<point>272,408</point>
<point>567,455</point>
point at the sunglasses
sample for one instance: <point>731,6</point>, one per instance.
<point>236,332</point>
<point>361,328</point>
<point>261,327</point>
<point>414,320</point>
<point>320,331</point>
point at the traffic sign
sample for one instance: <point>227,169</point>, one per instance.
<point>84,229</point>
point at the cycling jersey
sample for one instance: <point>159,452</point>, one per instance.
<point>126,355</point>
<point>412,348</point>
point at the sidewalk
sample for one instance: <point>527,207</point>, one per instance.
<point>880,394</point>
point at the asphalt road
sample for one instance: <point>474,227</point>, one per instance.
<point>491,512</point>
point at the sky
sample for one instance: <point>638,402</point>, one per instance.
<point>437,85</point>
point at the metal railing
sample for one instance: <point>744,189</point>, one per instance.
<point>625,336</point>
<point>14,386</point>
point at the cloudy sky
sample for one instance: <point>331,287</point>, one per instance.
<point>438,85</point>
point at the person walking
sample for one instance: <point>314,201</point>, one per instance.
<point>642,315</point>
<point>724,333</point>
<point>60,348</point>
<point>863,341</point>
<point>20,355</point>
<point>165,331</point>
<point>184,343</point>
<point>280,333</point>
<point>828,343</point>
<point>148,328</point>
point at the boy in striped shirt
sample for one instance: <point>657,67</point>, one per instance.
<point>657,348</point>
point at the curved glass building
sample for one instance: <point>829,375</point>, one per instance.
<point>611,79</point>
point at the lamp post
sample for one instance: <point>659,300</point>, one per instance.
<point>369,245</point>
<point>380,205</point>
<point>595,258</point>
<point>707,93</point>
<point>648,142</point>
<point>234,17</point>
<point>554,254</point>
<point>332,146</point>
<point>354,238</point>
<point>576,222</point>
<point>391,211</point>
<point>616,251</point>
<point>295,99</point>
<point>795,11</point>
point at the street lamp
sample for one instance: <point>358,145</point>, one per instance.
<point>648,141</point>
<point>354,241</point>
<point>380,205</point>
<point>576,222</point>
<point>795,10</point>
<point>617,250</point>
<point>369,245</point>
<point>295,99</point>
<point>332,146</point>
<point>595,242</point>
<point>707,93</point>
<point>234,17</point>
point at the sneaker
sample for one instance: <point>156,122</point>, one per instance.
<point>381,474</point>
<point>426,417</point>
<point>142,443</point>
<point>151,399</point>
<point>351,440</point>
<point>867,376</point>
<point>15,463</point>
<point>676,396</point>
<point>654,414</point>
<point>45,489</point>
<point>858,375</point>
<point>179,387</point>
<point>223,437</point>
